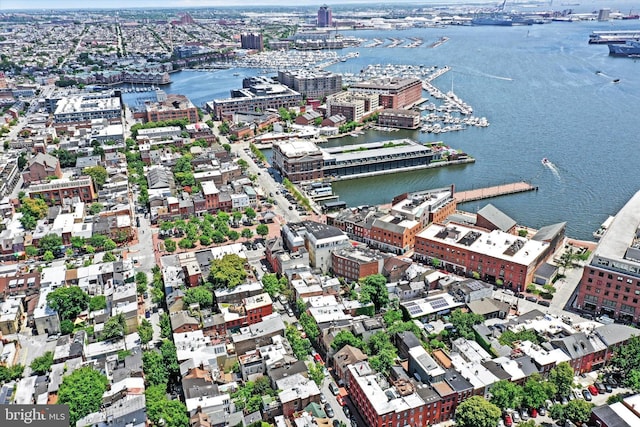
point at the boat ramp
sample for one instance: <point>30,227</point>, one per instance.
<point>495,191</point>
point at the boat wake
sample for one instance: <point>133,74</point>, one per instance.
<point>553,168</point>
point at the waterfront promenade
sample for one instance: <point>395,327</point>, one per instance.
<point>495,191</point>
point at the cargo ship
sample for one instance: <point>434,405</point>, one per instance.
<point>630,48</point>
<point>613,37</point>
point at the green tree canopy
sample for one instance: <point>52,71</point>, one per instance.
<point>310,326</point>
<point>114,327</point>
<point>97,303</point>
<point>374,289</point>
<point>561,376</point>
<point>42,364</point>
<point>477,412</point>
<point>227,272</point>
<point>82,391</point>
<point>200,295</point>
<point>271,284</point>
<point>155,371</point>
<point>37,207</point>
<point>95,208</point>
<point>464,322</point>
<point>249,396</point>
<point>536,391</point>
<point>262,230</point>
<point>145,332</point>
<point>346,337</point>
<point>626,361</point>
<point>98,174</point>
<point>50,242</point>
<point>505,394</point>
<point>68,302</point>
<point>578,410</point>
<point>159,407</point>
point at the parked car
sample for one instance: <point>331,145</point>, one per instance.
<point>542,411</point>
<point>577,394</point>
<point>516,416</point>
<point>601,388</point>
<point>325,372</point>
<point>340,400</point>
<point>329,410</point>
<point>346,410</point>
<point>587,396</point>
<point>530,298</point>
<point>323,398</point>
<point>548,403</point>
<point>564,400</point>
<point>334,388</point>
<point>544,303</point>
<point>612,382</point>
<point>524,414</point>
<point>608,388</point>
<point>318,358</point>
<point>507,420</point>
<point>593,389</point>
<point>336,423</point>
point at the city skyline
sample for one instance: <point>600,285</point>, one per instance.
<point>77,4</point>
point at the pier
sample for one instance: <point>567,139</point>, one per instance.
<point>495,191</point>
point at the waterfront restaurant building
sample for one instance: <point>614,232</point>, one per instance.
<point>394,92</point>
<point>490,256</point>
<point>610,284</point>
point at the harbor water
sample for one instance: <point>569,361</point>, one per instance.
<point>546,93</point>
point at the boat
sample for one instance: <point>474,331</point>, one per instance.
<point>545,161</point>
<point>236,74</point>
<point>616,80</point>
<point>613,37</point>
<point>631,47</point>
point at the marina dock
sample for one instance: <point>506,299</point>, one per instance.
<point>495,191</point>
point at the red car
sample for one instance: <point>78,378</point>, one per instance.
<point>318,358</point>
<point>507,420</point>
<point>533,412</point>
<point>340,400</point>
<point>593,390</point>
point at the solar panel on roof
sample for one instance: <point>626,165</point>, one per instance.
<point>474,286</point>
<point>438,303</point>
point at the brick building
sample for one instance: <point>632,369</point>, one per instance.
<point>298,160</point>
<point>398,118</point>
<point>175,107</point>
<point>40,167</point>
<point>55,191</point>
<point>355,263</point>
<point>394,92</point>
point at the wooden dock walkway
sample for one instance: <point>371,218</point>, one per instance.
<point>489,192</point>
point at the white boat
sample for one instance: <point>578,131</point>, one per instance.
<point>545,161</point>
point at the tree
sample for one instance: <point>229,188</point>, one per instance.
<point>51,243</point>
<point>114,327</point>
<point>98,302</point>
<point>557,413</point>
<point>37,207</point>
<point>316,373</point>
<point>626,361</point>
<point>98,240</point>
<point>109,245</point>
<point>199,295</point>
<point>247,233</point>
<point>82,391</point>
<point>141,288</point>
<point>262,230</point>
<point>170,357</point>
<point>145,332</point>
<point>505,394</point>
<point>346,337</point>
<point>48,256</point>
<point>170,245</point>
<point>98,174</point>
<point>536,391</point>
<point>66,327</point>
<point>205,240</point>
<point>172,412</point>
<point>108,257</point>
<point>310,326</point>
<point>391,317</point>
<point>463,322</point>
<point>477,412</point>
<point>95,208</point>
<point>562,377</point>
<point>578,410</point>
<point>300,346</point>
<point>10,373</point>
<point>271,284</point>
<point>155,371</point>
<point>374,289</point>
<point>165,326</point>
<point>68,302</point>
<point>31,251</point>
<point>41,365</point>
<point>250,213</point>
<point>141,278</point>
<point>185,243</point>
<point>227,272</point>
